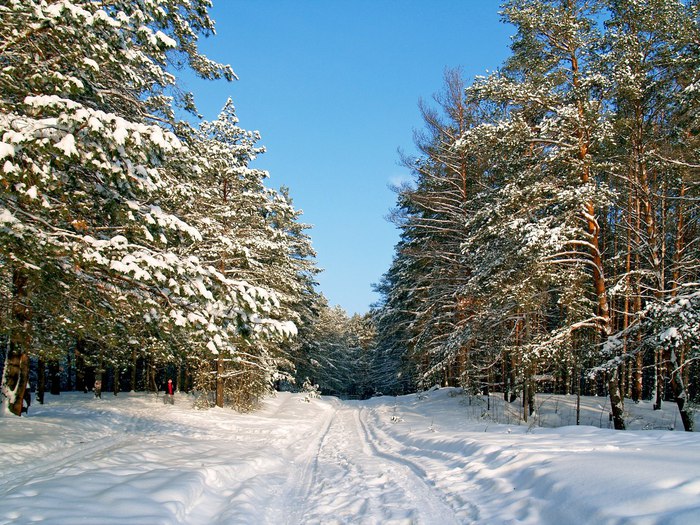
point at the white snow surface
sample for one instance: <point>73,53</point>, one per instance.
<point>437,458</point>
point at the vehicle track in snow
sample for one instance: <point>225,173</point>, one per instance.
<point>461,508</point>
<point>346,478</point>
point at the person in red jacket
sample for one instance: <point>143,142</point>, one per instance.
<point>169,392</point>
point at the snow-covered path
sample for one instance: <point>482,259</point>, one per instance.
<point>409,460</point>
<point>350,477</point>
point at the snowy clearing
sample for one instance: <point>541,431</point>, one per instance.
<point>434,458</point>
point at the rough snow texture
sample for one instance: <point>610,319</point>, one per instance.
<point>414,459</point>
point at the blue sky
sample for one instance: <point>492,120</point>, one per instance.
<point>333,88</point>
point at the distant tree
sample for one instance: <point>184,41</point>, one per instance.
<point>336,353</point>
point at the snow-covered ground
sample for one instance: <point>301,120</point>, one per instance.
<point>437,458</point>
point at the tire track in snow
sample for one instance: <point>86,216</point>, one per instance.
<point>299,487</point>
<point>349,480</point>
<point>473,466</point>
<point>443,503</point>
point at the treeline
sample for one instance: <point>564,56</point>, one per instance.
<point>549,240</point>
<point>135,246</point>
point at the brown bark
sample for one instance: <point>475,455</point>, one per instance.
<point>636,396</point>
<point>16,373</point>
<point>593,229</point>
<point>616,404</point>
<point>679,243</point>
<point>219,382</point>
<point>638,385</point>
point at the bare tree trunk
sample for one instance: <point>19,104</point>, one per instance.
<point>525,398</point>
<point>638,384</point>
<point>133,370</point>
<point>80,383</point>
<point>115,386</point>
<point>680,393</point>
<point>634,392</point>
<point>577,388</point>
<point>69,372</point>
<point>15,377</point>
<point>504,374</point>
<point>679,243</point>
<point>531,395</point>
<point>658,378</point>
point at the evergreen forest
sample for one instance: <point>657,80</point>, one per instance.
<point>549,236</point>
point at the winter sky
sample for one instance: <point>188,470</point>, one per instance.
<point>333,87</point>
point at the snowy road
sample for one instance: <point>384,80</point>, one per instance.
<point>348,476</point>
<point>409,460</point>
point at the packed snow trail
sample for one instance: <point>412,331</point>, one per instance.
<point>410,460</point>
<point>349,479</point>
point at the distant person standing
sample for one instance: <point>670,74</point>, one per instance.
<point>98,388</point>
<point>169,392</point>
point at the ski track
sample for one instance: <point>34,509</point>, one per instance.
<point>303,478</point>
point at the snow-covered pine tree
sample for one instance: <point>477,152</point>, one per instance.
<point>251,233</point>
<point>651,61</point>
<point>336,353</point>
<point>431,214</point>
<point>84,120</point>
<point>553,93</point>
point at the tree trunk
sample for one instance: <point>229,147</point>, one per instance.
<point>525,399</point>
<point>658,379</point>
<point>80,384</point>
<point>15,377</point>
<point>219,382</point>
<point>593,228</point>
<point>16,372</point>
<point>41,380</point>
<point>680,393</point>
<point>69,372</point>
<point>133,370</point>
<point>55,377</point>
<point>679,243</point>
<point>504,372</point>
<point>115,386</point>
<point>616,404</point>
<point>531,396</point>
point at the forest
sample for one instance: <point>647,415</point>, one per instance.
<point>549,235</point>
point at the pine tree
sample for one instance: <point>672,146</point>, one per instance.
<point>86,126</point>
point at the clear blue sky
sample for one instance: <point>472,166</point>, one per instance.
<point>333,87</point>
